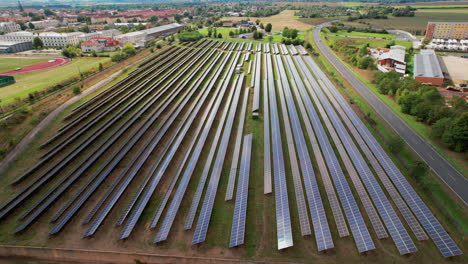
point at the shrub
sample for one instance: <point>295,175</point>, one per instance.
<point>76,89</point>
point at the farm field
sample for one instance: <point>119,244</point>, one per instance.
<point>157,159</point>
<point>30,82</point>
<point>419,21</point>
<point>284,19</point>
<point>8,64</point>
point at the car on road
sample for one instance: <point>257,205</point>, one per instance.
<point>18,69</point>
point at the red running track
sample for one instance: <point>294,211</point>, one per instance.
<point>59,61</point>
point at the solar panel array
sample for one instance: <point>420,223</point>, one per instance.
<point>356,222</point>
<point>267,188</point>
<point>256,82</point>
<point>298,190</point>
<point>275,49</point>
<point>401,238</point>
<point>283,218</point>
<point>293,50</point>
<point>237,147</point>
<point>266,48</point>
<point>321,229</point>
<point>439,235</point>
<point>207,207</point>
<point>240,208</point>
<point>397,199</point>
<point>209,116</point>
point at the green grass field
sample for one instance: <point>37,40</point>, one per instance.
<point>225,33</point>
<point>373,43</point>
<point>30,82</point>
<point>364,34</point>
<point>8,64</point>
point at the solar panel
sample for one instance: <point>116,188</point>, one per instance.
<point>266,141</point>
<point>283,218</point>
<point>441,238</point>
<point>298,190</point>
<point>207,207</point>
<point>344,110</point>
<point>359,230</point>
<point>237,146</point>
<point>201,184</point>
<point>240,208</point>
<point>399,235</point>
<point>320,223</point>
<point>256,82</point>
<point>209,116</point>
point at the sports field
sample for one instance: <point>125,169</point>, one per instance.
<point>8,63</point>
<point>36,81</point>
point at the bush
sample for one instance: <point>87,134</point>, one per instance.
<point>76,89</point>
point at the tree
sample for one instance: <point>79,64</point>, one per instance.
<point>270,38</point>
<point>177,18</point>
<point>220,35</point>
<point>438,128</point>
<point>456,134</point>
<point>37,43</point>
<point>31,25</point>
<point>153,19</point>
<point>257,21</point>
<point>129,49</point>
<point>93,53</point>
<point>458,104</point>
<point>76,90</point>
<point>333,29</point>
<point>261,26</point>
<point>85,29</point>
<point>268,28</point>
<point>395,144</point>
<point>118,20</point>
<point>101,68</point>
<point>48,12</point>
<point>22,26</point>
<point>407,102</point>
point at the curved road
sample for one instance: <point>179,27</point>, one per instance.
<point>446,172</point>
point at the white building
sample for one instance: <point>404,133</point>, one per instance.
<point>111,33</point>
<point>20,36</point>
<point>50,39</point>
<point>7,27</point>
<point>53,39</point>
<point>137,37</point>
<point>45,23</point>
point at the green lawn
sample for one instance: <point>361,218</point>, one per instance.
<point>373,43</point>
<point>364,34</point>
<point>8,64</point>
<point>225,33</point>
<point>30,82</point>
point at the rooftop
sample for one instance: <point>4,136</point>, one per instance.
<point>426,64</point>
<point>396,53</point>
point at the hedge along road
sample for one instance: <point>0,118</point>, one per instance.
<point>444,170</point>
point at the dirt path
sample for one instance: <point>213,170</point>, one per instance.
<point>46,121</point>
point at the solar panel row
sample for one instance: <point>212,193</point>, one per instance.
<point>201,184</point>
<point>317,211</point>
<point>439,235</point>
<point>209,116</point>
<point>359,230</point>
<point>207,207</point>
<point>240,208</point>
<point>256,78</point>
<point>398,233</point>
<point>397,199</point>
<point>283,218</point>
<point>298,190</point>
<point>237,147</point>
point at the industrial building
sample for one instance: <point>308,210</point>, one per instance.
<point>144,36</point>
<point>447,30</point>
<point>427,68</point>
<point>14,46</point>
<point>50,39</point>
<point>99,45</point>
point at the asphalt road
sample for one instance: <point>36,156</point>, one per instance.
<point>442,168</point>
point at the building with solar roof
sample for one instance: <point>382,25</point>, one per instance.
<point>427,68</point>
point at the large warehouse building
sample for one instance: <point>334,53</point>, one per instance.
<point>447,30</point>
<point>427,68</point>
<point>14,46</point>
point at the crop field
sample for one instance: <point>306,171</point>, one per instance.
<point>284,19</point>
<point>8,64</point>
<point>35,81</point>
<point>238,150</point>
<point>420,19</point>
